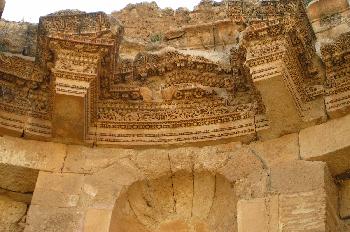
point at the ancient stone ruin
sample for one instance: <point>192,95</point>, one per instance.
<point>233,117</point>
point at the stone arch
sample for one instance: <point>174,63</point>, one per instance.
<point>184,201</point>
<point>160,189</point>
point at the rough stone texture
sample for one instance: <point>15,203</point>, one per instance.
<point>64,188</point>
<point>97,220</point>
<point>345,199</point>
<point>328,142</point>
<point>178,120</point>
<point>12,214</point>
<point>18,38</point>
<point>54,219</point>
<point>32,154</point>
<point>272,152</point>
<point>17,179</point>
<point>297,176</point>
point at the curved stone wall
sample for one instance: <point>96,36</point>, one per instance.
<point>89,189</point>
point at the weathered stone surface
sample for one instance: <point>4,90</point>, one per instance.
<point>58,190</point>
<point>17,179</point>
<point>11,215</point>
<point>154,119</point>
<point>87,160</point>
<point>303,212</point>
<point>344,198</point>
<point>153,163</point>
<point>329,142</point>
<point>97,220</point>
<point>278,150</point>
<point>53,219</point>
<point>258,215</point>
<point>297,176</point>
<point>18,37</point>
<point>44,156</point>
<point>240,164</point>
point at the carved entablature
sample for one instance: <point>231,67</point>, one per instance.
<point>336,56</point>
<point>170,97</point>
<point>79,83</point>
<point>24,96</point>
<point>279,42</point>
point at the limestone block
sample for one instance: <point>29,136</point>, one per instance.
<point>11,213</point>
<point>87,160</point>
<point>182,159</point>
<point>58,190</point>
<point>203,195</point>
<point>240,164</point>
<point>223,213</point>
<point>52,219</point>
<point>68,121</point>
<point>303,211</point>
<point>345,199</point>
<point>153,163</point>
<point>329,142</point>
<point>258,215</point>
<point>152,201</point>
<point>17,179</point>
<point>123,218</point>
<point>322,8</point>
<point>183,191</point>
<point>277,150</point>
<point>214,157</point>
<point>44,156</point>
<point>254,185</point>
<point>297,176</point>
<point>101,190</point>
<point>97,220</point>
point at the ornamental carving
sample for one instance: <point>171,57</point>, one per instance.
<point>171,95</point>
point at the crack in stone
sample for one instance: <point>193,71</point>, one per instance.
<point>172,184</point>
<point>64,159</point>
<point>135,214</point>
<point>214,197</point>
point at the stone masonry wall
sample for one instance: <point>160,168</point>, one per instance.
<point>79,187</point>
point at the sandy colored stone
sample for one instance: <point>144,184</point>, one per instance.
<point>297,176</point>
<point>58,190</point>
<point>101,190</point>
<point>44,156</point>
<point>153,163</point>
<point>344,198</point>
<point>11,214</point>
<point>252,215</point>
<point>223,212</point>
<point>240,164</point>
<point>214,157</point>
<point>329,142</point>
<point>277,150</point>
<point>123,217</point>
<point>53,219</point>
<point>90,160</point>
<point>17,179</point>
<point>97,220</point>
<point>255,185</point>
<point>203,195</point>
<point>182,159</point>
<point>303,211</point>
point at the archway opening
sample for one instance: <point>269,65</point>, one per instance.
<point>182,202</point>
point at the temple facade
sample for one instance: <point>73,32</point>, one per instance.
<point>233,117</point>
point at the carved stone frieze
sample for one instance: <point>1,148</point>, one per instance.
<point>81,89</point>
<point>336,56</point>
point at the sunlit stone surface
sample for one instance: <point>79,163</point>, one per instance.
<point>231,117</point>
